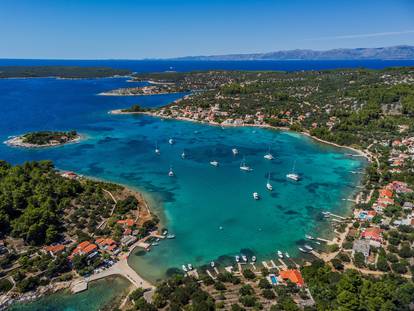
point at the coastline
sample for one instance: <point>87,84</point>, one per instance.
<point>360,152</point>
<point>17,141</point>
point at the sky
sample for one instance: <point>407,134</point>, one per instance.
<point>135,29</point>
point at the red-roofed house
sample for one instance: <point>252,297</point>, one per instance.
<point>55,250</point>
<point>385,193</point>
<point>373,233</point>
<point>293,275</point>
<point>83,248</point>
<point>126,222</point>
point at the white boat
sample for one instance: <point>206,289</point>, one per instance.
<point>302,250</point>
<point>309,237</point>
<point>268,185</point>
<point>184,268</point>
<point>287,255</point>
<point>171,141</point>
<point>183,155</point>
<point>157,150</point>
<point>155,244</point>
<point>244,258</point>
<point>280,254</point>
<point>171,236</point>
<point>244,166</point>
<point>171,172</point>
<point>237,258</point>
<point>214,163</point>
<point>212,264</point>
<point>256,196</point>
<point>308,247</point>
<point>254,258</point>
<point>190,267</point>
<point>293,175</point>
<point>235,151</point>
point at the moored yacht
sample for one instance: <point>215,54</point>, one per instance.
<point>287,255</point>
<point>190,267</point>
<point>309,237</point>
<point>235,151</point>
<point>244,258</point>
<point>184,268</point>
<point>244,166</point>
<point>302,250</point>
<point>308,247</point>
<point>256,196</point>
<point>157,150</point>
<point>212,264</point>
<point>183,155</point>
<point>280,254</point>
<point>254,258</point>
<point>171,172</point>
<point>171,141</point>
<point>237,258</point>
<point>268,185</point>
<point>293,175</point>
<point>214,163</point>
<point>171,236</point>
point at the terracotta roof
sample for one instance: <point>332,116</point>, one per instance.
<point>89,249</point>
<point>54,249</point>
<point>372,233</point>
<point>128,222</point>
<point>293,275</point>
<point>386,193</point>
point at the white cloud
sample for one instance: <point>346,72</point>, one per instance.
<point>364,35</point>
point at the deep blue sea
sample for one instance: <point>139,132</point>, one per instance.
<point>210,209</point>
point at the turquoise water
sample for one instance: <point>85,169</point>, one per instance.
<point>200,199</point>
<point>100,295</point>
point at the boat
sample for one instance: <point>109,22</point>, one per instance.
<point>183,155</point>
<point>184,268</point>
<point>190,267</point>
<point>171,141</point>
<point>302,250</point>
<point>293,175</point>
<point>171,172</point>
<point>171,236</point>
<point>326,213</point>
<point>165,232</point>
<point>157,150</point>
<point>212,264</point>
<point>268,155</point>
<point>287,255</point>
<point>254,258</point>
<point>256,196</point>
<point>308,247</point>
<point>214,163</point>
<point>244,258</point>
<point>237,258</point>
<point>280,254</point>
<point>309,237</point>
<point>235,151</point>
<point>244,166</point>
<point>155,243</point>
<point>268,185</point>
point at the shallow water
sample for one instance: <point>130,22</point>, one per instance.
<point>100,294</point>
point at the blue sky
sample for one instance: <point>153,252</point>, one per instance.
<point>137,29</point>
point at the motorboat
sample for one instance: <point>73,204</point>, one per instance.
<point>256,196</point>
<point>244,258</point>
<point>214,163</point>
<point>302,250</point>
<point>171,236</point>
<point>157,150</point>
<point>183,155</point>
<point>171,141</point>
<point>293,176</point>
<point>244,166</point>
<point>235,151</point>
<point>155,244</point>
<point>190,267</point>
<point>254,258</point>
<point>309,237</point>
<point>184,268</point>
<point>280,254</point>
<point>237,258</point>
<point>212,264</point>
<point>308,247</point>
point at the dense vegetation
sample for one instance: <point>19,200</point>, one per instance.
<point>46,137</point>
<point>59,71</point>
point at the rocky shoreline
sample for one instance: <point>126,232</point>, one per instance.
<point>17,141</point>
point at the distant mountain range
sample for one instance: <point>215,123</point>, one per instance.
<point>401,52</point>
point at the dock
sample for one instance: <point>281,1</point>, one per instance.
<point>316,254</point>
<point>283,263</point>
<point>323,240</point>
<point>216,270</point>
<point>338,216</point>
<point>79,286</point>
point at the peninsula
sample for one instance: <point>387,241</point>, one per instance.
<point>43,139</point>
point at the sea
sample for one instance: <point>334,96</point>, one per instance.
<point>210,210</point>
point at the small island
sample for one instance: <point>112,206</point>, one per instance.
<point>43,139</point>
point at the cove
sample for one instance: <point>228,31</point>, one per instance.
<point>209,209</point>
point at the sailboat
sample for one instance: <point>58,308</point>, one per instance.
<point>256,196</point>
<point>171,141</point>
<point>183,155</point>
<point>268,155</point>
<point>268,185</point>
<point>293,175</point>
<point>244,166</point>
<point>235,151</point>
<point>171,172</point>
<point>157,150</point>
